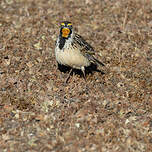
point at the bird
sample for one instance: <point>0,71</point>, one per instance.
<point>72,50</point>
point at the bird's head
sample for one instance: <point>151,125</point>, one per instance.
<point>66,29</point>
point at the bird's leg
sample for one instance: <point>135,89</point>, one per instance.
<point>68,76</point>
<point>83,71</point>
<point>84,75</point>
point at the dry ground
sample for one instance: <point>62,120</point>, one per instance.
<point>111,112</point>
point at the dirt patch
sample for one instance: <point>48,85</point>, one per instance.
<point>111,111</point>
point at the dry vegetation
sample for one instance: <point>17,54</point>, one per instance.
<point>111,112</point>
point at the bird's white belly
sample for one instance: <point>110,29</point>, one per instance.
<point>72,58</point>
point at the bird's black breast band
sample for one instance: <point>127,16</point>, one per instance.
<point>62,42</point>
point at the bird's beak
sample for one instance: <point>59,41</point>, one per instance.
<point>65,32</point>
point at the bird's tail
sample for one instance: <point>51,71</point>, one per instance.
<point>97,61</point>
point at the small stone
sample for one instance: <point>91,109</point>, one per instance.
<point>77,125</point>
<point>38,46</point>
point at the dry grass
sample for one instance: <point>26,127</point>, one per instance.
<point>112,112</point>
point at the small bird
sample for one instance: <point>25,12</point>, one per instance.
<point>72,50</point>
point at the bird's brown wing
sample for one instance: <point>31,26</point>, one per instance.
<point>85,48</point>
